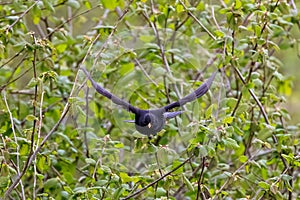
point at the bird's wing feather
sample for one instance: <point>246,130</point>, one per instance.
<point>109,95</point>
<point>169,115</point>
<point>200,91</point>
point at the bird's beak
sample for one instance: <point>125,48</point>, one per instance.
<point>149,125</point>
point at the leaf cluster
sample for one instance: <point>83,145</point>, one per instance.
<point>61,140</point>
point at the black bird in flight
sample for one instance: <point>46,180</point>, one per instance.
<point>150,122</point>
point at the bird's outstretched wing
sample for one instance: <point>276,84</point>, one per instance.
<point>109,95</point>
<point>200,91</point>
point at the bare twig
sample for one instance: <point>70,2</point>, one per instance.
<point>157,180</point>
<point>70,19</point>
<point>8,80</point>
<point>233,175</point>
<point>21,16</point>
<point>20,76</point>
<point>63,115</point>
<point>195,18</point>
<point>254,97</point>
<point>86,122</point>
<point>34,113</point>
<point>40,122</point>
<point>261,109</point>
<point>145,72</point>
<point>199,182</point>
<point>112,32</point>
<point>32,157</point>
<point>16,55</point>
<point>214,18</point>
<point>16,143</point>
<point>6,3</point>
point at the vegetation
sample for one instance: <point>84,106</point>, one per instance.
<point>61,140</point>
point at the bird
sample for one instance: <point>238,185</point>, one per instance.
<point>150,122</point>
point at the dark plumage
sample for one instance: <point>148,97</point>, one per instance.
<point>150,122</point>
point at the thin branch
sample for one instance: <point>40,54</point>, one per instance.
<point>6,3</point>
<point>195,18</point>
<point>112,32</point>
<point>32,157</point>
<point>20,76</point>
<point>214,18</point>
<point>157,180</point>
<point>8,80</point>
<point>40,122</point>
<point>34,112</point>
<point>16,55</point>
<point>199,182</point>
<point>70,19</point>
<point>145,72</point>
<point>21,16</point>
<point>254,97</point>
<point>86,122</point>
<point>262,111</point>
<point>16,143</point>
<point>63,115</point>
<point>233,175</point>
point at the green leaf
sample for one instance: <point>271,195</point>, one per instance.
<point>200,136</point>
<point>179,8</point>
<point>228,142</point>
<point>4,182</point>
<point>118,193</point>
<point>202,151</point>
<point>51,183</point>
<point>289,158</point>
<point>73,3</point>
<point>208,112</point>
<point>264,185</point>
<point>61,47</point>
<point>228,120</point>
<point>110,4</point>
<point>175,164</point>
<point>24,149</point>
<point>87,4</point>
<point>147,38</point>
<point>43,163</point>
<point>90,161</point>
<point>32,83</point>
<point>119,145</point>
<point>79,190</point>
<point>37,13</point>
<point>188,183</point>
<point>238,4</point>
<point>31,118</point>
<point>125,178</point>
<point>105,28</point>
<point>48,5</point>
<point>126,68</point>
<point>160,192</point>
<point>231,102</point>
<point>201,6</point>
<point>243,158</point>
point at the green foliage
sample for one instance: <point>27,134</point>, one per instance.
<point>61,140</point>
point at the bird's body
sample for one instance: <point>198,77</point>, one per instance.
<point>150,122</point>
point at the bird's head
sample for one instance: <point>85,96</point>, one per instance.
<point>147,120</point>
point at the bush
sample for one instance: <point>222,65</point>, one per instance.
<point>61,140</point>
